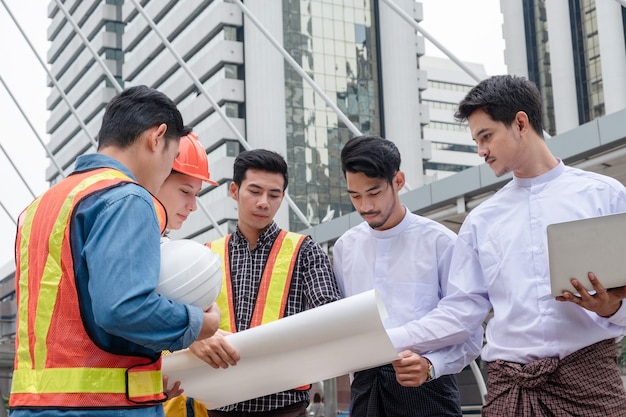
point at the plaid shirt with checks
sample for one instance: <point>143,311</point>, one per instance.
<point>313,284</point>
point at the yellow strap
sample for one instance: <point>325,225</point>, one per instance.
<point>26,223</point>
<point>86,380</point>
<point>280,281</point>
<point>224,299</point>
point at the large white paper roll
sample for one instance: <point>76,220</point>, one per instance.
<point>317,344</point>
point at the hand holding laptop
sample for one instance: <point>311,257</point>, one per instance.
<point>601,301</point>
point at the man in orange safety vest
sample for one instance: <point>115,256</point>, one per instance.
<point>269,273</point>
<point>90,327</point>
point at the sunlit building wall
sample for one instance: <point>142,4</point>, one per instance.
<point>73,127</point>
<point>451,146</point>
<point>574,50</point>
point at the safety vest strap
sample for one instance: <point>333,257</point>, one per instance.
<point>276,280</point>
<point>225,297</point>
<point>87,380</point>
<point>161,214</point>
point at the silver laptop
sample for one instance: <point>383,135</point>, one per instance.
<point>596,244</point>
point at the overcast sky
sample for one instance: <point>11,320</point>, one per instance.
<point>472,30</point>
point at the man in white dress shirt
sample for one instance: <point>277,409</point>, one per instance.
<point>546,356</point>
<point>405,257</point>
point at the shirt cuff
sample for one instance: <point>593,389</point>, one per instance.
<point>438,360</point>
<point>619,318</point>
<point>196,318</point>
<point>400,338</point>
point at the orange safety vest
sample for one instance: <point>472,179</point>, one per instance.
<point>56,362</point>
<point>275,281</point>
<point>274,286</point>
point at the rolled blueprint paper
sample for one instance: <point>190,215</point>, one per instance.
<point>317,344</point>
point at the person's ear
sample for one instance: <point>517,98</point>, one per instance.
<point>157,136</point>
<point>522,122</point>
<point>399,180</point>
<point>234,191</point>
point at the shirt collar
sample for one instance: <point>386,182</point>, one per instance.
<point>98,160</point>
<point>268,236</point>
<point>397,229</point>
<point>541,179</point>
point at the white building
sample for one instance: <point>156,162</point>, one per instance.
<point>452,147</point>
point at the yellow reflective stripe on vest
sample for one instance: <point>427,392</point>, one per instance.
<point>276,281</point>
<point>86,380</point>
<point>225,297</point>
<point>50,280</point>
<point>23,351</point>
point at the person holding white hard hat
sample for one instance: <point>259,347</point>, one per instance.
<point>187,264</point>
<point>178,195</point>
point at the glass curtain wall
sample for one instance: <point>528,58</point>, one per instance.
<point>538,54</point>
<point>335,42</point>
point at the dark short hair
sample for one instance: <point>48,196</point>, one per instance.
<point>261,159</point>
<point>374,156</point>
<point>501,97</point>
<point>136,110</point>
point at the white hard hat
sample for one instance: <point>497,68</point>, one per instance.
<point>190,272</point>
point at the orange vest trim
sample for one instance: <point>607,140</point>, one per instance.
<point>160,213</point>
<point>49,313</point>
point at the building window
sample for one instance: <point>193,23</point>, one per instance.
<point>454,127</point>
<point>454,147</point>
<point>441,105</point>
<point>441,85</point>
<point>336,44</point>
<point>438,166</point>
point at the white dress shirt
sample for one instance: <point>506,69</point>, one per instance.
<point>408,266</point>
<point>500,260</point>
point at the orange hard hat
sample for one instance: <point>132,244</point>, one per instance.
<point>192,159</point>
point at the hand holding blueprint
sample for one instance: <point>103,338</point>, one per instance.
<point>318,344</point>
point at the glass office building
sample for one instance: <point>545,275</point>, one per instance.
<point>574,51</point>
<point>336,44</point>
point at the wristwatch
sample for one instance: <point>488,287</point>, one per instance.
<point>431,371</point>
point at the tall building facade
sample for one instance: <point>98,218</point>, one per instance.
<point>361,54</point>
<point>574,50</point>
<point>451,146</point>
